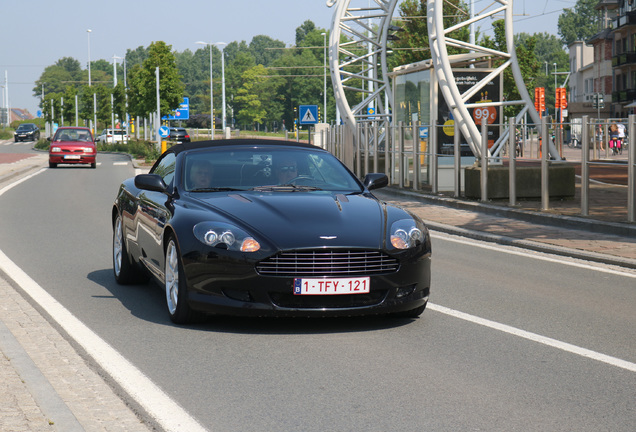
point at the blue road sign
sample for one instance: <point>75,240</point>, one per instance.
<point>308,114</point>
<point>164,131</point>
<point>181,113</point>
<point>423,132</point>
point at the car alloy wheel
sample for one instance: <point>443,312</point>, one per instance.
<point>124,270</point>
<point>175,284</point>
<point>118,242</point>
<point>172,278</point>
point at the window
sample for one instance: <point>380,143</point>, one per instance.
<point>165,168</point>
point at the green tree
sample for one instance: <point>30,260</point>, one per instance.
<point>302,31</point>
<point>412,43</point>
<point>142,86</point>
<point>250,107</point>
<point>580,23</point>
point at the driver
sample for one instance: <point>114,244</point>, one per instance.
<point>201,174</point>
<point>286,170</point>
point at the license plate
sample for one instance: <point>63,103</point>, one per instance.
<point>306,286</point>
<point>72,157</point>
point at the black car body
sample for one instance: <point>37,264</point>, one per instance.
<point>179,135</point>
<point>252,242</point>
<point>27,132</point>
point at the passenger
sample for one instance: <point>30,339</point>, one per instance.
<point>286,170</point>
<point>201,174</point>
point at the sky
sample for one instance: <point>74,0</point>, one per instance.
<point>37,33</point>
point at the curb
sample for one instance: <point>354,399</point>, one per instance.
<point>559,221</point>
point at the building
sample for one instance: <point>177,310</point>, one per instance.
<point>623,29</point>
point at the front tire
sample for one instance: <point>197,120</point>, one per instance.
<point>52,165</point>
<point>175,286</point>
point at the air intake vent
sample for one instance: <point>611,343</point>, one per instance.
<point>328,263</point>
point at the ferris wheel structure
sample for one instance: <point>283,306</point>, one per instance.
<point>360,30</point>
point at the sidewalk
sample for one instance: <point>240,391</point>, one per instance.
<point>46,385</point>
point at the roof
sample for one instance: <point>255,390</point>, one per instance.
<point>194,145</point>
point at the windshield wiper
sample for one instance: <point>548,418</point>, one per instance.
<point>216,189</point>
<point>285,188</point>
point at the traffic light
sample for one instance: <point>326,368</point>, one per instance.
<point>539,100</point>
<point>598,101</point>
<point>561,100</point>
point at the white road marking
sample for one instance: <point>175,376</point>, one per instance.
<point>120,163</point>
<point>564,346</point>
<point>513,250</point>
<point>23,179</point>
<point>156,402</point>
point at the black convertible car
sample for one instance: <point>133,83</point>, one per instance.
<point>261,227</point>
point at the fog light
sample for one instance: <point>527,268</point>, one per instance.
<point>405,291</point>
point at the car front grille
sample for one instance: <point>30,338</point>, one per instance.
<point>327,263</point>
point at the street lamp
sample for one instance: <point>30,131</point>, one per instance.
<point>115,58</point>
<point>222,44</point>
<point>211,92</point>
<point>89,56</point>
<point>324,87</point>
<point>555,76</point>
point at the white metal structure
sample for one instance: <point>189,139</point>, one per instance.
<point>357,59</point>
<point>439,41</point>
<point>358,65</point>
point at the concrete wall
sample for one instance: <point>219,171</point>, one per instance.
<point>560,182</point>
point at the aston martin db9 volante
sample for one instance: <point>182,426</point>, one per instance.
<point>268,228</point>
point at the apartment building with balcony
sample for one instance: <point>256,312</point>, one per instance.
<point>624,58</point>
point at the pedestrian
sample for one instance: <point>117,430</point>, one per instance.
<point>599,136</point>
<point>613,138</point>
<point>621,137</point>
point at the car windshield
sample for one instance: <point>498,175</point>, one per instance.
<point>81,135</point>
<point>26,127</point>
<point>268,169</point>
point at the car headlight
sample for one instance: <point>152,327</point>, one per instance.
<point>88,149</point>
<point>56,149</point>
<point>224,235</point>
<point>405,234</point>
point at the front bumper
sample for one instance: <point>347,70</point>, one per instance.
<point>229,287</point>
<point>71,158</point>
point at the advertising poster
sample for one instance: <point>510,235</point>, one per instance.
<point>467,79</point>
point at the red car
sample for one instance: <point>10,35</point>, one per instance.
<point>72,145</point>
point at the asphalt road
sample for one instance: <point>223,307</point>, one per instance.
<point>511,340</point>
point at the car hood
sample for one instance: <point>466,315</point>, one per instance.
<point>300,220</point>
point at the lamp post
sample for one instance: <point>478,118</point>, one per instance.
<point>115,58</point>
<point>211,91</point>
<point>89,56</point>
<point>222,44</point>
<point>324,87</point>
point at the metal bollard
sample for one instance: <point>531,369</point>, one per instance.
<point>545,155</point>
<point>585,168</point>
<point>416,159</point>
<point>512,164</point>
<point>484,160</point>
<point>457,178</point>
<point>631,169</point>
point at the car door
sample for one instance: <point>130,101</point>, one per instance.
<point>154,213</point>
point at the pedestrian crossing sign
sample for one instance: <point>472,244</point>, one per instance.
<point>308,114</point>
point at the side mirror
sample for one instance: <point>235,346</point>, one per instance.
<point>48,138</point>
<point>375,181</point>
<point>150,182</point>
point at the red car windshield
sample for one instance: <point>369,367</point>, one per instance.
<point>81,135</point>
